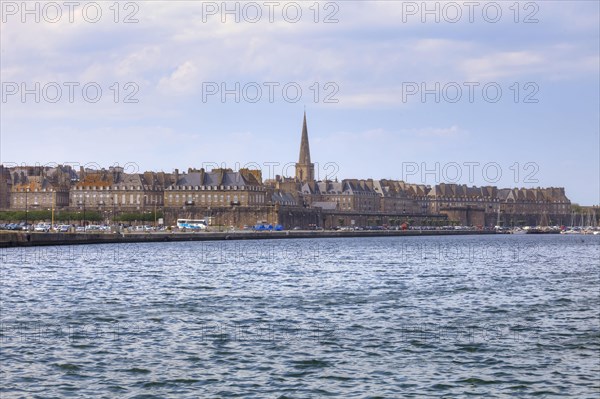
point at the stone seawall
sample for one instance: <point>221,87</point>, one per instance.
<point>22,239</point>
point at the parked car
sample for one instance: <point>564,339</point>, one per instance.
<point>41,227</point>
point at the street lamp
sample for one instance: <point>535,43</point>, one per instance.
<point>155,226</point>
<point>82,202</point>
<point>26,206</point>
<point>53,205</point>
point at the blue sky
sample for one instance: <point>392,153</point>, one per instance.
<point>368,61</point>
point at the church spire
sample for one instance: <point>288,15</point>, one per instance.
<point>305,170</point>
<point>304,147</point>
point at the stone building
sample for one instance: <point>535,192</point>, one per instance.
<point>112,191</point>
<point>348,195</point>
<point>443,196</point>
<point>397,197</point>
<point>38,193</point>
<point>283,198</point>
<point>533,206</point>
<point>511,206</point>
<point>40,187</point>
<point>5,187</point>
<point>217,188</point>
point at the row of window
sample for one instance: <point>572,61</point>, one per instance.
<point>133,198</point>
<point>43,201</point>
<point>215,198</point>
<point>115,188</point>
<point>204,188</point>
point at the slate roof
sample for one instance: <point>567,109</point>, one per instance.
<point>325,205</point>
<point>216,178</point>
<point>283,198</point>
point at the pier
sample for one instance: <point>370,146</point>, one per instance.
<point>29,239</point>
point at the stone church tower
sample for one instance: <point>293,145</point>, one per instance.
<point>305,170</point>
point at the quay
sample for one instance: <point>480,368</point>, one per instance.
<point>29,239</point>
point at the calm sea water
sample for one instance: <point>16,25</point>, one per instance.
<point>487,316</point>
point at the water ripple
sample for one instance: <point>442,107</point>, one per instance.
<point>489,316</point>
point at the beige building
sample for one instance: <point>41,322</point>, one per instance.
<point>38,193</point>
<point>39,188</point>
<point>347,195</point>
<point>217,188</point>
<point>114,191</point>
<point>5,187</point>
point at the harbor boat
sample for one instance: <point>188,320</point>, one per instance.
<point>570,231</point>
<point>518,230</point>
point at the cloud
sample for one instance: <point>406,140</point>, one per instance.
<point>182,80</point>
<point>500,65</point>
<point>450,132</point>
<point>368,54</point>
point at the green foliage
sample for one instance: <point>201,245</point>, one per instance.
<point>138,217</point>
<point>46,215</point>
<point>74,216</point>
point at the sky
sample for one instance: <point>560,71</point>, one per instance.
<point>480,93</point>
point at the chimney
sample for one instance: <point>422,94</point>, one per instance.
<point>149,177</point>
